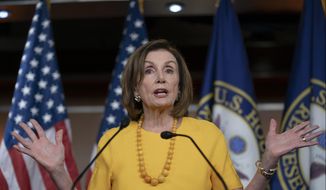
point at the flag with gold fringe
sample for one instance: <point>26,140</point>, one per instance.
<point>227,96</point>
<point>306,100</point>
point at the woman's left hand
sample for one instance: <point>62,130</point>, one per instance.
<point>301,135</point>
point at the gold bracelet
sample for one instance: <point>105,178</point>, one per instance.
<point>267,173</point>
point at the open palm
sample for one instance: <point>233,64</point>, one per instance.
<point>301,135</point>
<point>38,146</point>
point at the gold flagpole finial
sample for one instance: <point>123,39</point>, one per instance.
<point>141,6</point>
<point>217,3</point>
<point>323,4</point>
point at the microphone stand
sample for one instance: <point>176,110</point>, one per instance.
<point>122,126</point>
<point>168,134</point>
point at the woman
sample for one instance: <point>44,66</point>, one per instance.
<point>157,91</point>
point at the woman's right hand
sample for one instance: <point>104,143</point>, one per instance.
<point>40,148</point>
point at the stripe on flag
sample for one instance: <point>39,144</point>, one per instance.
<point>7,169</point>
<point>3,183</point>
<point>34,173</point>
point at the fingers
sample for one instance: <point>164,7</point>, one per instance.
<point>309,129</point>
<point>58,136</point>
<point>20,139</point>
<point>307,136</point>
<point>307,144</point>
<point>301,126</point>
<point>272,126</point>
<point>28,131</point>
<point>31,134</point>
<point>311,136</point>
<point>38,128</point>
<point>23,150</point>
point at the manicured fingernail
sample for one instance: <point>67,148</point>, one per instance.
<point>30,124</point>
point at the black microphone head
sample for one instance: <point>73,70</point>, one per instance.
<point>124,123</point>
<point>167,135</point>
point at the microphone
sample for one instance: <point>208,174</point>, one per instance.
<point>168,135</point>
<point>124,123</point>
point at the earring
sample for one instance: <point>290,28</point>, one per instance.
<point>137,98</point>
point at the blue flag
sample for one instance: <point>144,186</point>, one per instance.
<point>134,35</point>
<point>306,100</point>
<point>227,96</point>
<point>38,94</point>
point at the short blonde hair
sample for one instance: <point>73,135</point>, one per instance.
<point>134,72</point>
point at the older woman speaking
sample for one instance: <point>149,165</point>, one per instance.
<point>157,90</point>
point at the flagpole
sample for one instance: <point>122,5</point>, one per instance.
<point>48,2</point>
<point>141,6</point>
<point>217,3</point>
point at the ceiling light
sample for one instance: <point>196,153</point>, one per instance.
<point>175,7</point>
<point>4,14</point>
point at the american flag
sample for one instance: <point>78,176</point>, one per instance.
<point>134,35</point>
<point>38,94</point>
